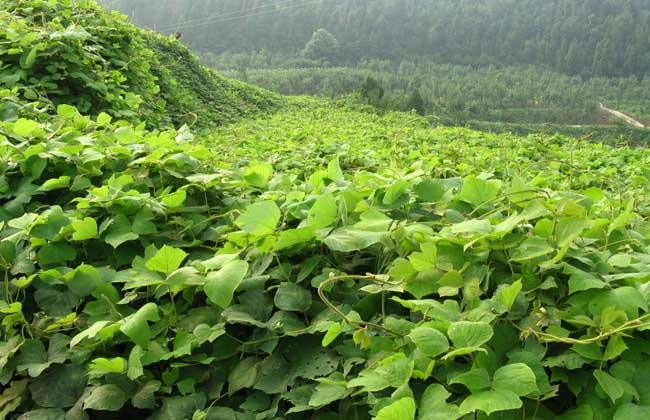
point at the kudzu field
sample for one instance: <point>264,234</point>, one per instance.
<point>317,261</point>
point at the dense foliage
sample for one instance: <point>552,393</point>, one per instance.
<point>588,37</point>
<point>526,94</point>
<point>198,96</point>
<point>319,262</point>
<point>65,52</point>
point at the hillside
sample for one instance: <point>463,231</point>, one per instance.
<point>586,37</point>
<point>55,54</point>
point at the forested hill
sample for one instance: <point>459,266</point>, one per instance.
<point>587,37</point>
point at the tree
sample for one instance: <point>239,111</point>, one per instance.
<point>372,91</point>
<point>322,47</point>
<point>416,102</point>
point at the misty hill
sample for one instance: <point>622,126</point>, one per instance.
<point>587,37</point>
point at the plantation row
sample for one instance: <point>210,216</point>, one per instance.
<point>320,263</point>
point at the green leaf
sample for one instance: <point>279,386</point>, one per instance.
<point>105,398</point>
<point>244,375</point>
<point>205,333</point>
<point>55,302</point>
<point>426,259</point>
<point>175,200</point>
<point>145,397</point>
<point>470,334</point>
<point>615,347</point>
<point>84,229</point>
<point>83,280</point>
<point>220,285</point>
<point>55,253</point>
<point>395,192</point>
<point>258,175</point>
<point>67,111</point>
<point>136,327</point>
<point>403,409</point>
<point>475,380</point>
<point>332,333</point>
<point>120,232</point>
<point>134,364</point>
<point>7,252</point>
<point>260,219</point>
<point>626,298</point>
<point>293,237</point>
<point>508,294</point>
<point>373,221</point>
<point>568,229</point>
<point>610,385</point>
<point>473,226</point>
<point>350,240</point>
<point>478,191</point>
<point>24,127</point>
<point>180,407</point>
<point>329,390</point>
<point>55,184</point>
<point>491,402</point>
<point>623,219</point>
<point>532,248</point>
<point>28,58</point>
<point>292,297</point>
<point>43,414</point>
<point>60,387</point>
<point>391,372</point>
<point>515,377</point>
<point>90,332</point>
<point>167,260</point>
<point>582,280</point>
<point>102,366</point>
<point>632,412</point>
<point>323,213</point>
<point>429,341</point>
<point>431,190</point>
<point>334,171</point>
<point>434,406</point>
<point>104,119</point>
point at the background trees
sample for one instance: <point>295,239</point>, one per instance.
<point>585,37</point>
<point>322,47</point>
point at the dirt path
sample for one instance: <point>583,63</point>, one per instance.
<point>631,121</point>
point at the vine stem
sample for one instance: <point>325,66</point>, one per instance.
<point>7,295</point>
<point>630,325</point>
<point>355,324</point>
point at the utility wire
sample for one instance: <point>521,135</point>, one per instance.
<point>224,15</point>
<point>220,19</point>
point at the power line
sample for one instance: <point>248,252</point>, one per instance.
<point>223,15</point>
<point>220,19</point>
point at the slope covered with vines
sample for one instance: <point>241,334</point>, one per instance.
<point>65,52</point>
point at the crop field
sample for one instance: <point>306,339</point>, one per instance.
<point>317,262</point>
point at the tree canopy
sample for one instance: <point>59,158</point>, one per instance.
<point>586,37</point>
